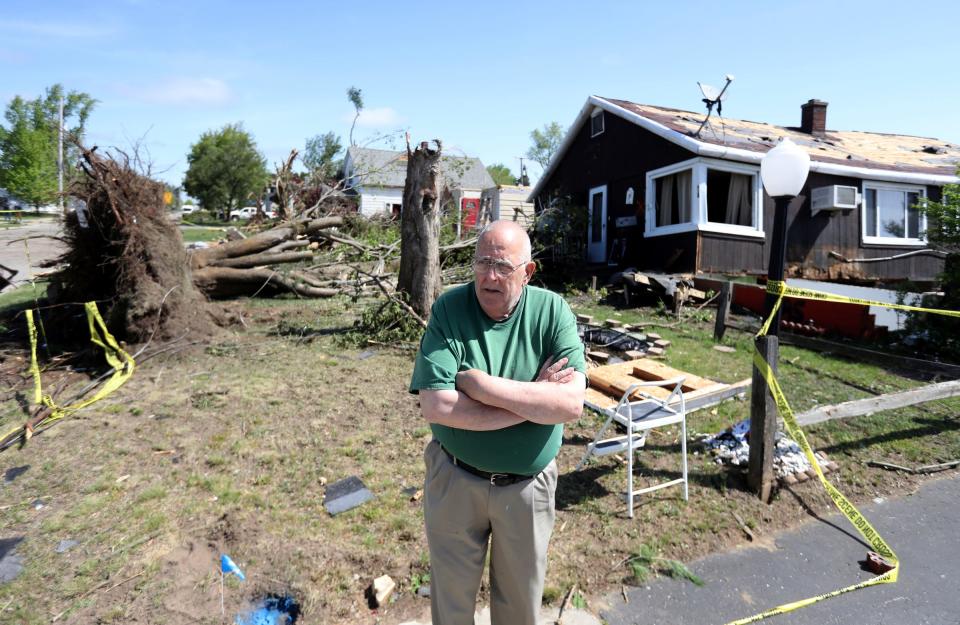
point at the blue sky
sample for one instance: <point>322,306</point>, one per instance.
<point>479,76</point>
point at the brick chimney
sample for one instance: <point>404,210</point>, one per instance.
<point>813,117</point>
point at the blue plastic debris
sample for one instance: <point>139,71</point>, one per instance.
<point>228,566</point>
<point>272,610</point>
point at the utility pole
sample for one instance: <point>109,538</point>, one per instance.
<point>60,157</point>
<point>523,171</point>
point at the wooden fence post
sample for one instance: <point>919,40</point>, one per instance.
<point>723,309</point>
<point>763,423</point>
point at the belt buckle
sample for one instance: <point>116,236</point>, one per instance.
<point>495,476</point>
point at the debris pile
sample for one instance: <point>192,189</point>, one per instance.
<point>674,289</point>
<point>614,341</point>
<point>732,446</point>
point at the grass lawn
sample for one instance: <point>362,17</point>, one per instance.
<point>21,297</point>
<point>228,448</point>
<point>196,234</point>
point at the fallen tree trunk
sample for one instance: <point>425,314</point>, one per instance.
<point>225,282</point>
<point>262,241</point>
<point>259,260</point>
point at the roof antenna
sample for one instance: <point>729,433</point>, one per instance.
<point>711,96</point>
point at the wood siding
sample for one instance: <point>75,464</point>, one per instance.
<point>620,158</point>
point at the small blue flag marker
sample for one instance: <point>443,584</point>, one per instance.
<point>228,566</point>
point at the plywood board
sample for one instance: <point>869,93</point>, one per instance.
<point>647,369</point>
<point>608,383</point>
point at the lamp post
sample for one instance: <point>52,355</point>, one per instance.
<point>783,172</point>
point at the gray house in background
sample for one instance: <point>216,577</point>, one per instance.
<point>377,178</point>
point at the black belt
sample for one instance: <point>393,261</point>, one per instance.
<point>497,479</point>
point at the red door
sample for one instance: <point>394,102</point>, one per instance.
<point>470,208</point>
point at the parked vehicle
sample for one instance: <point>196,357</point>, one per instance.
<point>247,212</point>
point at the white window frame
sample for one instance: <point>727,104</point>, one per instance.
<point>698,192</point>
<point>921,191</point>
<point>597,112</point>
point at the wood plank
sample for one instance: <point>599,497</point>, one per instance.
<point>647,369</point>
<point>614,380</point>
<point>617,380</point>
<point>697,400</point>
<point>890,401</point>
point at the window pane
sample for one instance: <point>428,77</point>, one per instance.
<point>673,198</point>
<point>913,216</point>
<point>892,212</point>
<point>729,198</point>
<point>870,208</point>
<point>596,123</point>
<point>596,218</point>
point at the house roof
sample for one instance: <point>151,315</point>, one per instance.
<point>876,156</point>
<point>387,168</point>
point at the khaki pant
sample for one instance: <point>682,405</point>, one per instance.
<point>462,511</point>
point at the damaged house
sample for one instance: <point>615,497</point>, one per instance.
<point>664,197</point>
<point>377,178</point>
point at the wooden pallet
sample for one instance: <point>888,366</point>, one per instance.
<point>608,383</point>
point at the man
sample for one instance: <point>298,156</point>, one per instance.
<point>500,369</point>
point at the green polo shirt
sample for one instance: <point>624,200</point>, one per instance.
<point>461,336</point>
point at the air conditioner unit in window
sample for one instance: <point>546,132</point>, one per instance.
<point>833,198</point>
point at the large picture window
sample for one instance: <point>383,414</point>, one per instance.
<point>704,194</point>
<point>890,214</point>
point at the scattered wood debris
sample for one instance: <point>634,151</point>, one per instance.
<point>608,383</point>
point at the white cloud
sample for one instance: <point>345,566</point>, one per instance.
<point>376,118</point>
<point>183,91</point>
<point>56,29</point>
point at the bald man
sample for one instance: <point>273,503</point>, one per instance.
<point>500,369</point>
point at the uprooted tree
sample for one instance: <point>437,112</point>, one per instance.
<point>124,252</point>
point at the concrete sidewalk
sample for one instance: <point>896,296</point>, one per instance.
<point>820,557</point>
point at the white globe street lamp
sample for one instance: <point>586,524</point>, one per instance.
<point>783,171</point>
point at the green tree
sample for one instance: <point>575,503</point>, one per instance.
<point>501,174</point>
<point>943,233</point>
<point>356,99</point>
<point>28,144</point>
<point>546,142</point>
<point>320,155</point>
<point>224,169</point>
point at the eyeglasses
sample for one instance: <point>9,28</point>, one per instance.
<point>502,268</point>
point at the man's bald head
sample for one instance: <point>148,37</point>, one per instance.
<point>509,234</point>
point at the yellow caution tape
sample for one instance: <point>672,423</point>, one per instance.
<point>856,518</point>
<point>780,288</point>
<point>121,362</point>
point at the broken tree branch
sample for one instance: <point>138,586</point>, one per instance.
<point>394,298</point>
<point>259,260</point>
